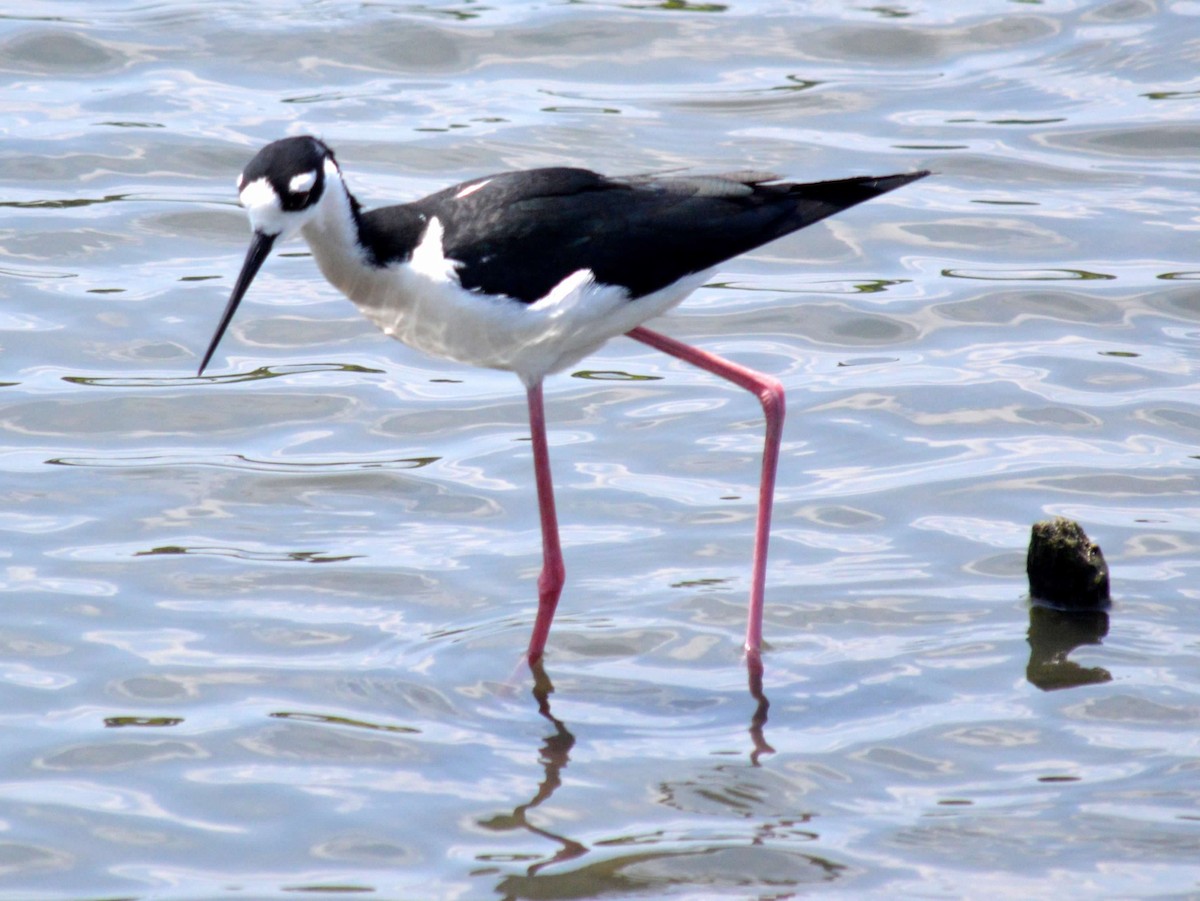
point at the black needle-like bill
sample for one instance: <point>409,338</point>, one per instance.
<point>260,247</point>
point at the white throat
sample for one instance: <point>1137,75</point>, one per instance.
<point>332,235</point>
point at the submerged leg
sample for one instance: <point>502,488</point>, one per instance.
<point>554,573</point>
<point>770,393</point>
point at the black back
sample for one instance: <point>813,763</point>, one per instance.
<point>524,232</point>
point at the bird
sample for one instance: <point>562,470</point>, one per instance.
<point>530,271</point>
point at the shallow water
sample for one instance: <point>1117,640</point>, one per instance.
<point>263,629</point>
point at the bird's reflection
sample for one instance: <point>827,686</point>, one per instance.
<point>555,754</point>
<point>1053,635</point>
<point>754,670</point>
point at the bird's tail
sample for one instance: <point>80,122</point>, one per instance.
<point>847,192</point>
<point>817,200</point>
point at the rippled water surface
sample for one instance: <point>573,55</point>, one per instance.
<point>262,630</point>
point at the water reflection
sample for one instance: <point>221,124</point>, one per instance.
<point>1053,635</point>
<point>708,868</point>
<point>254,375</point>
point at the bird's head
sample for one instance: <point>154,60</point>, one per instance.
<point>282,186</point>
<point>281,189</point>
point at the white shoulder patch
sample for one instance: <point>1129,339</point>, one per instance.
<point>429,258</point>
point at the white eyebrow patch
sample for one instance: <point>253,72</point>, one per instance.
<point>258,194</point>
<point>471,189</point>
<point>302,182</point>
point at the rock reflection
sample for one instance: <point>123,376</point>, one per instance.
<point>1053,635</point>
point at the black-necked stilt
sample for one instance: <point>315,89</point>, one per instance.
<point>531,271</point>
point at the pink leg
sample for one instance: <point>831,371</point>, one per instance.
<point>554,573</point>
<point>770,393</point>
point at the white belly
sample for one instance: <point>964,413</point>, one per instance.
<point>422,304</point>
